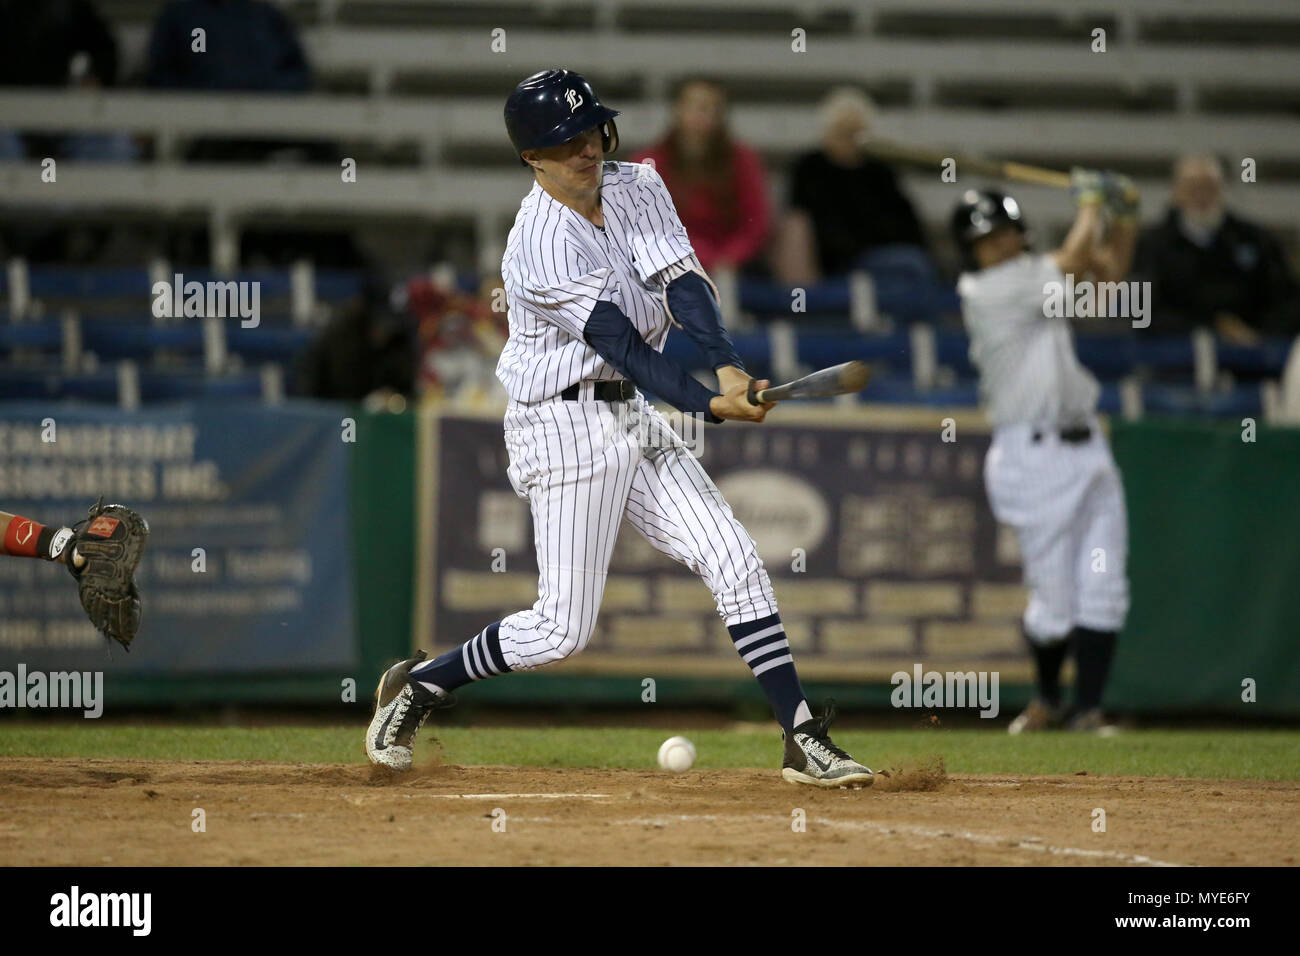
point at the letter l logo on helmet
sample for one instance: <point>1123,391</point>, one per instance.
<point>574,99</point>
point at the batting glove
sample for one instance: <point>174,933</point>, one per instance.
<point>1121,197</point>
<point>1088,186</point>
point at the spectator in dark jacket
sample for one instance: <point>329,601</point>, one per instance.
<point>367,351</point>
<point>52,42</point>
<point>842,203</point>
<point>1211,268</point>
<point>60,44</point>
<point>247,45</point>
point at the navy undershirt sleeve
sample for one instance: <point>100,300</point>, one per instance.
<point>616,340</point>
<point>691,302</point>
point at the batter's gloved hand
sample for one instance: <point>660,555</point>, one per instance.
<point>110,542</point>
<point>1087,186</point>
<point>1121,196</point>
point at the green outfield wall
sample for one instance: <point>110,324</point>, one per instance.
<point>1214,565</point>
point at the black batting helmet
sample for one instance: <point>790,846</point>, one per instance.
<point>980,212</point>
<point>552,107</point>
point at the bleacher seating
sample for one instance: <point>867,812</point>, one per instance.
<point>405,85</point>
<point>105,318</point>
<point>403,81</point>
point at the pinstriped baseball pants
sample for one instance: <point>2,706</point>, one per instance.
<point>1066,503</point>
<point>587,466</point>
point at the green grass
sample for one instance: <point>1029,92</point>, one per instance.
<point>1247,754</point>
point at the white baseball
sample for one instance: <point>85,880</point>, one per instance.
<point>676,753</point>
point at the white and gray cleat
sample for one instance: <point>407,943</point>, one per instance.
<point>812,758</point>
<point>401,708</point>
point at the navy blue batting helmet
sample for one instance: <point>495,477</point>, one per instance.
<point>552,107</point>
<point>980,212</point>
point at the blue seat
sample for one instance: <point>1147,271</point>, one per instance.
<point>179,386</point>
<point>1106,356</point>
<point>953,350</point>
<point>336,285</point>
<point>1165,352</point>
<point>773,299</point>
<point>272,343</point>
<point>112,339</point>
<point>82,282</point>
<point>1267,358</point>
<point>45,336</point>
<point>1109,401</point>
<point>48,384</point>
<point>898,389</point>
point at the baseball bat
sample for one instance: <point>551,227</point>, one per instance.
<point>836,380</point>
<point>995,168</point>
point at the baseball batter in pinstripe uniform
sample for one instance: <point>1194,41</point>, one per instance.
<point>596,269</point>
<point>1049,470</point>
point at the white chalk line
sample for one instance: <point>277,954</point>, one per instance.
<point>507,796</point>
<point>895,829</point>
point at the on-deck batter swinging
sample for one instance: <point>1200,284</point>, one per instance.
<point>595,268</point>
<point>1049,471</point>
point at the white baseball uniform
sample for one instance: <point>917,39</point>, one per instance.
<point>587,465</point>
<point>1064,498</point>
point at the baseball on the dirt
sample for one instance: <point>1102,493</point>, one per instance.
<point>676,753</point>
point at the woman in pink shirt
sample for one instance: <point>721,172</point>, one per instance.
<point>717,183</point>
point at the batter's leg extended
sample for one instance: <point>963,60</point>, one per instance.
<point>676,506</point>
<point>574,462</point>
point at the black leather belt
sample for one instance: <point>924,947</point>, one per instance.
<point>602,392</point>
<point>1071,436</point>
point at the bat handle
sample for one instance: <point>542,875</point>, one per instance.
<point>752,393</point>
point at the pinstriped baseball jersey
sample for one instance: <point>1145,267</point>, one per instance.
<point>557,264</point>
<point>587,466</point>
<point>1065,499</point>
<point>1028,369</point>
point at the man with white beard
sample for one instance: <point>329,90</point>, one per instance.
<point>1211,268</point>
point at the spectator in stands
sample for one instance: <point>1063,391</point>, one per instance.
<point>41,41</point>
<point>247,45</point>
<point>717,183</point>
<point>1211,268</point>
<point>460,335</point>
<point>59,44</point>
<point>846,210</point>
<point>366,352</point>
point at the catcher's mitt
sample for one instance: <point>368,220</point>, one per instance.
<point>111,539</point>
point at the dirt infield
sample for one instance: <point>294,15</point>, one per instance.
<point>132,812</point>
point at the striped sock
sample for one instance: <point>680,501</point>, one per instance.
<point>763,646</point>
<point>477,658</point>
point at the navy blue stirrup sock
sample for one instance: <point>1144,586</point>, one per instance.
<point>476,659</point>
<point>763,646</point>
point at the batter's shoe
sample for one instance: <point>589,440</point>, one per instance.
<point>1039,715</point>
<point>811,758</point>
<point>401,708</point>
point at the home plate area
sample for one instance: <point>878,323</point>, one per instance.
<point>143,812</point>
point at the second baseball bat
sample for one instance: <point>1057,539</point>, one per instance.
<point>995,168</point>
